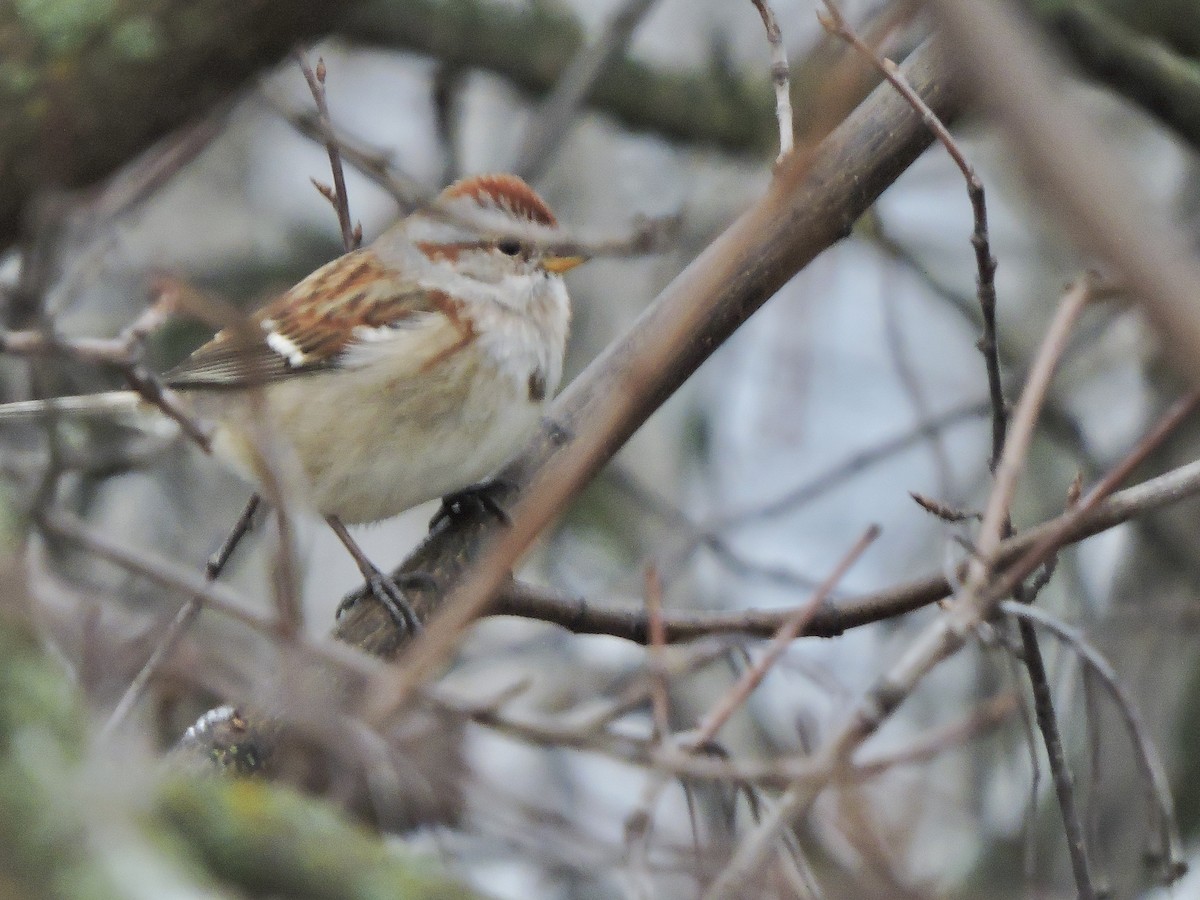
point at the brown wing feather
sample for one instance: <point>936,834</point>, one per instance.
<point>308,328</point>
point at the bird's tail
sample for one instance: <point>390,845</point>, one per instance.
<point>105,404</point>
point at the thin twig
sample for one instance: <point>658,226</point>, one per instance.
<point>943,511</point>
<point>902,359</point>
<point>659,685</point>
<point>286,583</point>
<point>124,353</point>
<point>1034,793</point>
<point>217,562</point>
<point>280,493</point>
<point>351,234</point>
<point>1092,815</point>
<point>781,79</point>
<point>1060,772</point>
<point>646,235</point>
<point>178,626</point>
<point>990,714</point>
<point>985,262</point>
<point>793,626</point>
<point>1157,783</point>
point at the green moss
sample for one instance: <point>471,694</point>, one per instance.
<point>11,524</point>
<point>43,844</point>
<point>138,39</point>
<point>275,841</point>
<point>64,25</point>
<point>32,693</point>
<point>16,77</point>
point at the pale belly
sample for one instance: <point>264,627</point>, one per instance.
<point>370,446</point>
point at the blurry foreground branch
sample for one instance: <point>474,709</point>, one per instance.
<point>67,834</point>
<point>1005,64</point>
<point>1142,68</point>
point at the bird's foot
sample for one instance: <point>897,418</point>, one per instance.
<point>390,594</point>
<point>482,497</point>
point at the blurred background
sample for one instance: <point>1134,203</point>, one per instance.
<point>857,384</point>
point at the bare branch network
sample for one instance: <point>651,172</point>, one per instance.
<point>364,719</point>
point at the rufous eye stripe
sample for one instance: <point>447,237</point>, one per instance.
<point>447,252</point>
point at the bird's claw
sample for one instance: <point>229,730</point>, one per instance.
<point>392,598</point>
<point>477,497</point>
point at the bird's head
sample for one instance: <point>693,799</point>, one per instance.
<point>490,228</point>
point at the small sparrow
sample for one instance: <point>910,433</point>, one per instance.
<point>405,371</point>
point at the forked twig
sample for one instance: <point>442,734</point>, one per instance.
<point>941,639</point>
<point>1050,540</point>
<point>988,345</point>
<point>375,163</point>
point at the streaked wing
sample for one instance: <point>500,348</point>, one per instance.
<point>348,304</point>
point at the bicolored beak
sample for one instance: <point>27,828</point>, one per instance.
<point>560,264</point>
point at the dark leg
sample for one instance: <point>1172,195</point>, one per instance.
<point>484,497</point>
<point>382,587</point>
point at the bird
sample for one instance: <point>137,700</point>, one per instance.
<point>408,370</point>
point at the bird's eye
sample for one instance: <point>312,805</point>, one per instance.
<point>509,248</point>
